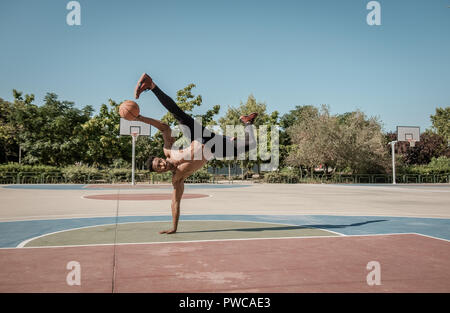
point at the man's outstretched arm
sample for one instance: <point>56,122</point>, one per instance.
<point>178,189</point>
<point>162,127</point>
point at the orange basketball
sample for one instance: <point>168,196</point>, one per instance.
<point>129,110</point>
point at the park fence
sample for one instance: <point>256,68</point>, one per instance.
<point>157,178</point>
<point>91,178</point>
<point>361,179</point>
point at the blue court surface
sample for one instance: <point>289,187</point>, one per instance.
<point>13,233</point>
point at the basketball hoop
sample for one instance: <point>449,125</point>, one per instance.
<point>410,134</point>
<point>134,134</point>
<point>135,131</point>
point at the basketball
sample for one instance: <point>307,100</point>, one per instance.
<point>129,110</point>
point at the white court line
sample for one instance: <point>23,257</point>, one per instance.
<point>220,240</point>
<point>432,237</point>
<point>25,242</point>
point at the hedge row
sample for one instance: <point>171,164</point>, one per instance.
<point>439,165</point>
<point>17,173</point>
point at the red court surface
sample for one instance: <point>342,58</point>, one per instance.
<point>140,197</point>
<point>128,186</point>
<point>408,263</point>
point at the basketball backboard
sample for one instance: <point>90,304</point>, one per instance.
<point>128,127</point>
<point>408,133</point>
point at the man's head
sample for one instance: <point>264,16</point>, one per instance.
<point>159,165</point>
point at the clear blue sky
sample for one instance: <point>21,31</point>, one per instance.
<point>285,53</point>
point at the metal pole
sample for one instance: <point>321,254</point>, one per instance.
<point>133,156</point>
<point>393,160</point>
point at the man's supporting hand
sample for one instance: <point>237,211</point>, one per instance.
<point>172,231</point>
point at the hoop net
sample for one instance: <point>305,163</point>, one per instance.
<point>412,143</point>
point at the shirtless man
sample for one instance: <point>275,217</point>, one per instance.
<point>183,162</point>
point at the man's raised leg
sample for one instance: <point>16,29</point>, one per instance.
<point>146,83</point>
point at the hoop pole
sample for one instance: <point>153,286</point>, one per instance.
<point>393,160</point>
<point>133,157</point>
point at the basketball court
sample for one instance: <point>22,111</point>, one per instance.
<point>231,238</point>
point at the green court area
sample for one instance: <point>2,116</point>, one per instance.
<point>148,232</point>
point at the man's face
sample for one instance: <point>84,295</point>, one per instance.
<point>160,165</point>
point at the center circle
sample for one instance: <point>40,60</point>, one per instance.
<point>195,230</point>
<point>143,196</point>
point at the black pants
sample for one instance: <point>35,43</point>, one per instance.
<point>220,146</point>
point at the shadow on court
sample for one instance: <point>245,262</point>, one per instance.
<point>283,228</point>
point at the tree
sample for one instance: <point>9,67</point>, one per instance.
<point>264,118</point>
<point>144,148</point>
<point>349,141</point>
<point>49,134</point>
<point>19,120</point>
<point>295,116</point>
<point>430,146</point>
<point>298,115</point>
<point>7,139</point>
<point>314,138</point>
<point>361,143</point>
<point>101,138</point>
<point>57,133</point>
<point>441,122</point>
<point>42,135</point>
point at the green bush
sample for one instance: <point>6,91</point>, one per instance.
<point>20,173</point>
<point>200,176</point>
<point>440,165</point>
<point>121,164</point>
<point>437,166</point>
<point>21,168</point>
<point>160,177</point>
<point>119,174</point>
<point>283,176</point>
<point>80,173</point>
